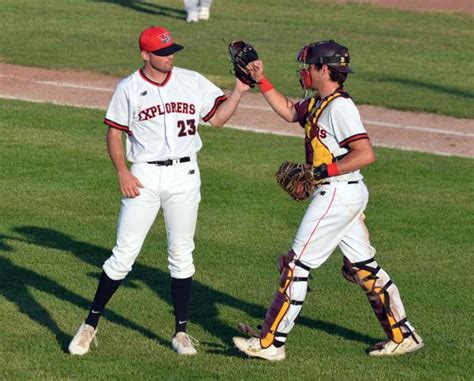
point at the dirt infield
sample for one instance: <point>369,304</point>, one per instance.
<point>387,128</point>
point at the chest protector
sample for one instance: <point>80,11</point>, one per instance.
<point>317,152</point>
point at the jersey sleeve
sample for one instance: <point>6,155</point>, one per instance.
<point>212,97</point>
<point>347,124</point>
<point>117,115</point>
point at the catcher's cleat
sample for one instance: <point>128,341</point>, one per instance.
<point>390,348</point>
<point>184,344</point>
<point>251,347</point>
<point>80,344</point>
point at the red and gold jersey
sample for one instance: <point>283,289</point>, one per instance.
<point>330,125</point>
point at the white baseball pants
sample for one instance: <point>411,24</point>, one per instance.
<point>334,218</point>
<point>194,5</point>
<point>174,188</point>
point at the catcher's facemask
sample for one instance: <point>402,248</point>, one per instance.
<point>303,73</point>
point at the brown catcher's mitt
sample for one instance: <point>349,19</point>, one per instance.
<point>297,180</point>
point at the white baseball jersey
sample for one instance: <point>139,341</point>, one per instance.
<point>330,125</point>
<point>161,120</point>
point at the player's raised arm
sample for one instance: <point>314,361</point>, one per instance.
<point>279,103</point>
<point>228,107</point>
<point>248,68</point>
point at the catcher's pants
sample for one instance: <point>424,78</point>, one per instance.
<point>334,218</point>
<point>174,188</point>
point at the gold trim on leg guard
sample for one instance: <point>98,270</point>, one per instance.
<point>380,292</point>
<point>287,302</point>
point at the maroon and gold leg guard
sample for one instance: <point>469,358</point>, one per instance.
<point>383,296</point>
<point>287,302</point>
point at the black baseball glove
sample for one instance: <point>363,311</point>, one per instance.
<point>241,54</point>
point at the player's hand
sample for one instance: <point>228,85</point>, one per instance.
<point>256,69</point>
<point>129,184</point>
<point>240,86</point>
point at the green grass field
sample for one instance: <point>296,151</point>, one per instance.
<point>59,209</point>
<point>404,60</point>
<point>60,200</point>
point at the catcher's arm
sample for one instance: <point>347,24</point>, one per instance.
<point>361,154</point>
<point>278,102</point>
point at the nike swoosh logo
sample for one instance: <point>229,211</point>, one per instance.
<point>95,312</point>
<point>182,322</point>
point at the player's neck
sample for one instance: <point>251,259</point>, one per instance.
<point>327,89</point>
<point>154,74</point>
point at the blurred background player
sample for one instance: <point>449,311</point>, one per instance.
<point>197,10</point>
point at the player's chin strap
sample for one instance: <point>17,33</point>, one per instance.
<point>383,296</point>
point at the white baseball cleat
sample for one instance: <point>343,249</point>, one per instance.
<point>192,17</point>
<point>81,342</point>
<point>389,348</point>
<point>184,344</point>
<point>204,13</point>
<point>252,348</point>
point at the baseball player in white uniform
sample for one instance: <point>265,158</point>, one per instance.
<point>197,10</point>
<point>158,109</point>
<point>337,146</point>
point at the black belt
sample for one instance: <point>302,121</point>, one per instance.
<point>168,162</point>
<point>349,182</point>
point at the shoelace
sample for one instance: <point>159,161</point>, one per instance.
<point>90,335</point>
<point>190,340</point>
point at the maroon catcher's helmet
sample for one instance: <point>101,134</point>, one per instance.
<point>328,53</point>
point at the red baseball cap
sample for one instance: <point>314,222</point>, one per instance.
<point>158,40</point>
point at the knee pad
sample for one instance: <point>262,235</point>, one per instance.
<point>293,286</point>
<point>382,294</point>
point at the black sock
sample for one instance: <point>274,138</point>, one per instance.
<point>181,295</point>
<point>105,290</point>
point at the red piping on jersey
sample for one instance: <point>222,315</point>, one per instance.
<point>353,138</point>
<point>217,103</point>
<point>317,224</point>
<point>117,126</point>
<point>143,75</point>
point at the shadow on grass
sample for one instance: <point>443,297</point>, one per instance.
<point>149,8</point>
<point>16,283</point>
<point>205,300</point>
